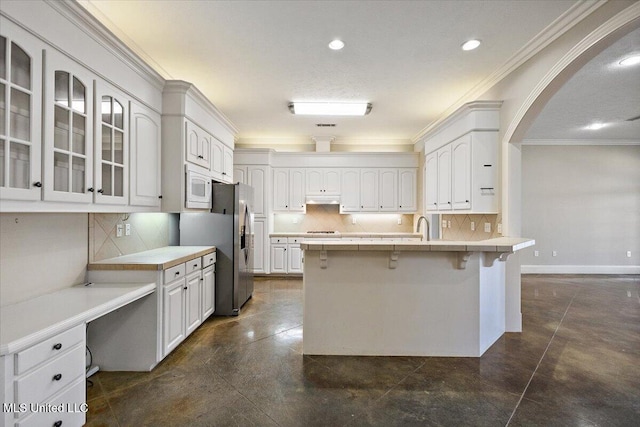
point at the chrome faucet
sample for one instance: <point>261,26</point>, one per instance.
<point>418,226</point>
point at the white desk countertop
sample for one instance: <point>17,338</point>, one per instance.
<point>26,323</point>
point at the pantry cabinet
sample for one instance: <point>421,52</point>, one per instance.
<point>20,114</point>
<point>259,241</point>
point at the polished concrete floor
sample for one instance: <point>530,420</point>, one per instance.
<point>576,363</point>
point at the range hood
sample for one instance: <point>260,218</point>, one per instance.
<point>324,199</point>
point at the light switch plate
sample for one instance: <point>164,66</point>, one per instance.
<point>487,227</point>
<point>127,229</point>
<point>473,226</point>
<point>119,230</point>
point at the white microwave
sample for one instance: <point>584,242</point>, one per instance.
<point>198,191</point>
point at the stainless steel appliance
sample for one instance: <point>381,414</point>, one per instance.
<point>229,227</point>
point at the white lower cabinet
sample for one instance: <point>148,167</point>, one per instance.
<point>286,255</point>
<point>260,238</point>
<point>51,372</point>
<point>208,291</point>
<point>193,304</point>
<point>173,314</point>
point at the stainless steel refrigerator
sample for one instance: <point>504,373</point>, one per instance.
<point>229,227</point>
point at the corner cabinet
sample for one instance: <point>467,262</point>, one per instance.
<point>20,114</point>
<point>462,175</point>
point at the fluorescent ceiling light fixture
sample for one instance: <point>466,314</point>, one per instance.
<point>631,60</point>
<point>470,44</point>
<point>596,126</point>
<point>330,108</point>
<point>336,44</point>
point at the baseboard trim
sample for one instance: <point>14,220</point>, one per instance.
<point>580,269</point>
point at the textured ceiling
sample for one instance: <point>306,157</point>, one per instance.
<point>601,91</point>
<point>250,58</point>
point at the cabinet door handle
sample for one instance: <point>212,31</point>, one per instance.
<point>57,377</point>
<point>448,203</point>
<point>195,265</point>
<point>101,191</point>
<point>37,184</point>
<point>224,173</point>
<point>160,196</point>
<point>90,190</point>
<point>177,273</point>
<point>57,423</point>
<point>200,157</point>
<point>466,201</point>
<point>57,346</point>
<point>185,288</point>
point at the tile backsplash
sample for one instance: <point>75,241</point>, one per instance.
<point>461,226</point>
<point>148,231</point>
<point>328,218</point>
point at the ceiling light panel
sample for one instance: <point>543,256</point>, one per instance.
<point>471,44</point>
<point>330,108</point>
<point>336,44</point>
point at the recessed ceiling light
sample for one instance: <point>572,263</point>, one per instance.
<point>596,126</point>
<point>336,44</point>
<point>330,108</point>
<point>470,44</point>
<point>631,60</point>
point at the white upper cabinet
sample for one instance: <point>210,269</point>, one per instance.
<point>461,173</point>
<point>20,114</point>
<point>350,194</point>
<point>145,152</point>
<point>198,145</point>
<point>322,182</point>
<point>431,181</point>
<point>68,131</point>
<point>369,190</point>
<point>221,161</point>
<point>289,190</point>
<point>388,198</point>
<point>408,192</point>
<point>240,174</point>
<point>112,146</point>
<point>444,178</point>
<point>257,178</point>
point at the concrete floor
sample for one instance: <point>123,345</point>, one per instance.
<point>576,363</point>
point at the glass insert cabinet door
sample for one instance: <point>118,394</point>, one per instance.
<point>68,128</point>
<point>112,145</point>
<point>20,103</point>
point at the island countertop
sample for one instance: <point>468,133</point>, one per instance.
<point>154,259</point>
<point>498,244</point>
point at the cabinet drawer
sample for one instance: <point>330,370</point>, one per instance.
<point>52,377</point>
<point>278,240</point>
<point>72,400</point>
<point>294,239</point>
<point>173,273</point>
<point>47,349</point>
<point>208,259</point>
<point>193,265</point>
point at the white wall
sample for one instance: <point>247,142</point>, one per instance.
<point>41,253</point>
<point>584,203</point>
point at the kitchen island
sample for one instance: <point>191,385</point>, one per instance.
<point>428,298</point>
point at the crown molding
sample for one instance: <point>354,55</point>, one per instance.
<point>557,28</point>
<point>580,142</point>
<point>185,88</point>
<point>86,22</point>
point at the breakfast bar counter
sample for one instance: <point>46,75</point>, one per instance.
<point>428,298</point>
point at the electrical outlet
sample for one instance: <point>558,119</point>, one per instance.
<point>487,227</point>
<point>399,221</point>
<point>473,226</point>
<point>448,223</point>
<point>554,253</point>
<point>295,219</point>
<point>444,223</point>
<point>536,253</point>
<point>628,254</point>
<point>353,219</point>
<point>127,229</point>
<point>499,228</point>
<point>119,230</point>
